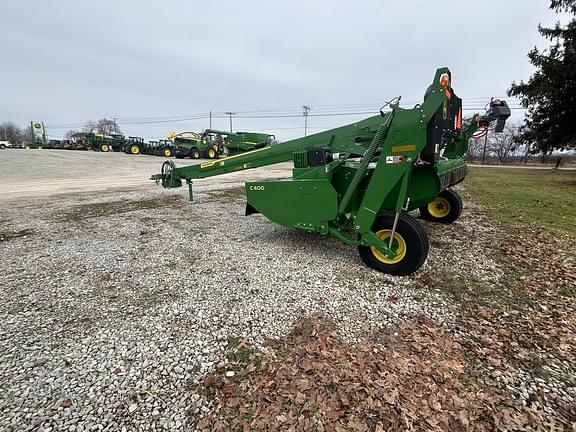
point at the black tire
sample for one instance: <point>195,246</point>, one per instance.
<point>411,242</point>
<point>445,208</point>
<point>194,153</point>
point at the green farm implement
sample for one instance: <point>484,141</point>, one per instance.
<point>213,143</point>
<point>106,143</point>
<point>358,182</point>
<point>195,146</point>
<point>238,142</point>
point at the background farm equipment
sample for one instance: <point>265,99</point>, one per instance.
<point>213,143</point>
<point>358,182</point>
<point>134,145</point>
<point>193,145</point>
<point>164,148</point>
<point>238,142</point>
<point>150,148</point>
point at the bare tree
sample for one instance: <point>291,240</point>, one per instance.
<point>503,144</point>
<point>103,126</point>
<point>475,147</point>
<point>90,126</point>
<point>26,135</point>
<point>108,127</point>
<point>10,132</point>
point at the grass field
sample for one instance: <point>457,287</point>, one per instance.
<point>537,198</point>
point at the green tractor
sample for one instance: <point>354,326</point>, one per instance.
<point>134,145</point>
<point>165,148</point>
<point>116,142</point>
<point>99,142</point>
<point>193,145</point>
<point>359,182</point>
<point>150,148</point>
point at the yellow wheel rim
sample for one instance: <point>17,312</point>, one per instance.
<point>167,152</point>
<point>104,148</point>
<point>211,153</point>
<point>398,245</point>
<point>439,208</point>
<point>134,149</point>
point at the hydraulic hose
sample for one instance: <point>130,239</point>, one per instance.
<point>376,143</point>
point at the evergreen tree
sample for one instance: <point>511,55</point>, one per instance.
<point>550,94</point>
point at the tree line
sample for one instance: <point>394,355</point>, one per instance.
<point>16,135</point>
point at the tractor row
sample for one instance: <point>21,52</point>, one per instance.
<point>211,144</point>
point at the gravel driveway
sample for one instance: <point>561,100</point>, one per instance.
<point>114,303</point>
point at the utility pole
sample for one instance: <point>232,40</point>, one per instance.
<point>306,111</point>
<point>210,119</point>
<point>230,114</point>
<point>115,126</point>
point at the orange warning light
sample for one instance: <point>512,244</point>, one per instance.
<point>444,80</point>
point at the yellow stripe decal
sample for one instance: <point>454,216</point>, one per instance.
<point>209,164</point>
<point>404,148</point>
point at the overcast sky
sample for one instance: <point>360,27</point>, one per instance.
<point>68,61</point>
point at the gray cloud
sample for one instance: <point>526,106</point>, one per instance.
<point>65,62</point>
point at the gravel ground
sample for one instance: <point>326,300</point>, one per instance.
<point>115,304</point>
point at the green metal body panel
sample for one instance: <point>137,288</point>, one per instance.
<point>304,204</point>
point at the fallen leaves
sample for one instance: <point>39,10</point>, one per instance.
<point>317,382</point>
<point>417,375</point>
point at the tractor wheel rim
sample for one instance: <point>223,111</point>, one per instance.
<point>211,153</point>
<point>439,208</point>
<point>104,148</point>
<point>167,152</point>
<point>134,150</point>
<point>398,246</point>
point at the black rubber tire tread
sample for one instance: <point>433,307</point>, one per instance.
<point>455,208</point>
<point>417,245</point>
